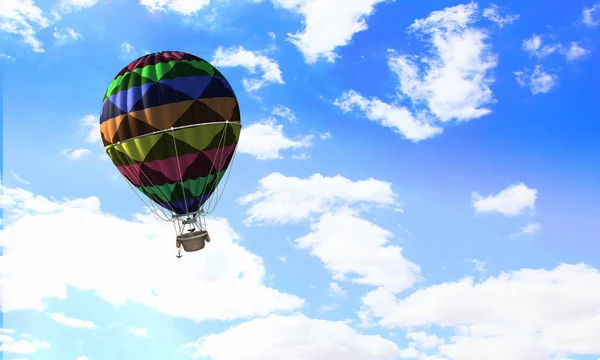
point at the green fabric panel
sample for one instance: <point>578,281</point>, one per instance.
<point>156,72</point>
<point>191,188</point>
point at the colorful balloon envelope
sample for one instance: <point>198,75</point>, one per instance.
<point>170,123</point>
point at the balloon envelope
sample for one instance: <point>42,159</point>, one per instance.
<point>170,123</point>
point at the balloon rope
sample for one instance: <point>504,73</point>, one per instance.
<point>151,208</point>
<point>217,158</point>
<point>180,176</point>
<point>225,184</point>
<point>153,198</point>
<point>212,162</point>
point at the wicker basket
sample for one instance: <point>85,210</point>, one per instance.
<point>193,241</point>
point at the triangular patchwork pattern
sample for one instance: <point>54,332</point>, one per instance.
<point>159,94</point>
<point>163,123</point>
<point>130,126</point>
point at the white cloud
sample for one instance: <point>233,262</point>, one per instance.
<point>21,17</point>
<point>183,7</point>
<point>7,57</point>
<point>127,50</point>
<point>66,35</point>
<point>325,136</point>
<point>8,343</point>
<point>323,34</point>
<point>479,265</point>
<point>18,178</point>
<point>283,259</point>
<point>512,201</point>
<point>293,338</point>
<point>538,81</point>
<point>422,340</point>
<point>284,112</point>
<point>529,229</point>
<point>357,250</point>
<point>252,61</point>
<point>575,52</point>
<point>328,308</point>
<point>399,119</point>
<point>91,123</point>
<point>456,82</point>
<point>272,35</point>
<point>265,139</point>
<point>75,154</point>
<point>300,157</point>
<point>521,315</point>
<point>336,289</point>
<point>72,322</point>
<point>137,331</point>
<point>75,5</point>
<point>227,271</point>
<point>588,15</point>
<point>452,82</point>
<point>534,46</point>
<point>283,199</point>
<point>493,13</point>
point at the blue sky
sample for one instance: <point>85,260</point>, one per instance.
<point>414,180</point>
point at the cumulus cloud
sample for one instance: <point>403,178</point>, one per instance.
<point>494,13</point>
<point>534,46</point>
<point>529,229</point>
<point>265,139</point>
<point>21,18</point>
<point>283,199</point>
<point>336,289</point>
<point>293,338</point>
<point>478,265</point>
<point>182,7</point>
<point>322,35</point>
<point>75,5</point>
<point>357,250</point>
<point>26,346</point>
<point>512,201</point>
<point>6,57</point>
<point>253,62</point>
<point>422,340</point>
<point>538,81</point>
<point>575,52</point>
<point>451,82</point>
<point>283,112</point>
<point>72,322</point>
<point>75,154</point>
<point>589,15</point>
<point>66,35</point>
<point>398,118</point>
<point>522,315</point>
<point>228,271</point>
<point>91,124</point>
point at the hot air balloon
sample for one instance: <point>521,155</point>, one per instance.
<point>170,122</point>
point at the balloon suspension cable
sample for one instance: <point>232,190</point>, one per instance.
<point>152,197</point>
<point>229,169</point>
<point>211,203</point>
<point>179,167</point>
